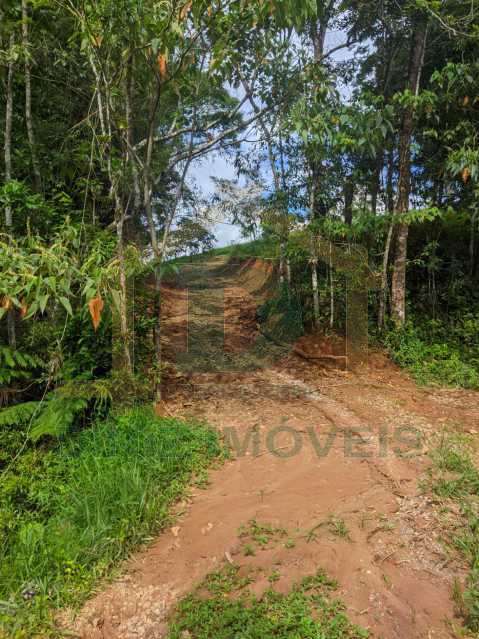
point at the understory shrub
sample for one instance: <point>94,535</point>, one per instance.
<point>438,352</point>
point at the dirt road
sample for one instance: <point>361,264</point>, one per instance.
<point>333,457</point>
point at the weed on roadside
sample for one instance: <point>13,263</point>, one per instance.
<point>224,608</point>
<point>454,477</point>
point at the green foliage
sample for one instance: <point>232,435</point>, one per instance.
<point>224,608</point>
<point>15,365</point>
<point>436,352</point>
<point>69,512</point>
<point>281,316</point>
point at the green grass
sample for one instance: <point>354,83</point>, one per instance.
<point>224,608</point>
<point>455,477</point>
<point>68,514</point>
<point>260,535</point>
<point>266,248</point>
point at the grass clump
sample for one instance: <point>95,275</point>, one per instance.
<point>70,512</point>
<point>224,608</point>
<point>259,535</point>
<point>455,477</point>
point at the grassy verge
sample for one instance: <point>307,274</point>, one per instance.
<point>455,478</point>
<point>265,248</point>
<point>224,608</point>
<point>70,512</point>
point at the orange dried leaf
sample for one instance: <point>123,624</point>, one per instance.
<point>465,102</point>
<point>184,11</point>
<point>466,175</point>
<point>23,308</point>
<point>97,40</point>
<point>6,303</point>
<point>210,11</point>
<point>96,306</point>
<point>162,65</point>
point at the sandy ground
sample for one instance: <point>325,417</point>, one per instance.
<point>331,445</point>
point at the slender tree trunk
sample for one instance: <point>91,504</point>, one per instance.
<point>398,292</point>
<point>12,337</point>
<point>318,37</point>
<point>282,262</point>
<point>127,363</point>
<point>314,281</point>
<point>472,244</point>
<point>390,181</point>
<point>28,98</point>
<point>384,277</point>
<point>331,286</point>
<point>147,181</point>
<point>348,201</point>
<point>104,114</point>
<point>129,135</point>
<point>284,268</point>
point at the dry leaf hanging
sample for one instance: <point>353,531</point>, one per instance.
<point>184,11</point>
<point>162,65</point>
<point>466,174</point>
<point>23,308</point>
<point>96,306</point>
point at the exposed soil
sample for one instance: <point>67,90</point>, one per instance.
<point>395,575</point>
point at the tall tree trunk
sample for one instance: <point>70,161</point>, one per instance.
<point>278,180</point>
<point>383,293</point>
<point>314,280</point>
<point>129,135</point>
<point>390,181</point>
<point>472,244</point>
<point>398,292</point>
<point>384,276</point>
<point>331,286</point>
<point>103,97</point>
<point>12,337</point>
<point>318,36</point>
<point>28,98</point>
<point>125,336</point>
<point>348,201</point>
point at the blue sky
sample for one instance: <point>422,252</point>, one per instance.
<point>221,167</point>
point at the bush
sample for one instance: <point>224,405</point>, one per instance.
<point>438,353</point>
<point>69,512</point>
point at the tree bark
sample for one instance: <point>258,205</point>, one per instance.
<point>28,98</point>
<point>318,36</point>
<point>12,337</point>
<point>472,244</point>
<point>314,280</point>
<point>384,277</point>
<point>398,292</point>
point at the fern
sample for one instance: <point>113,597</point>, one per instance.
<point>57,417</point>
<point>17,365</point>
<point>19,414</point>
